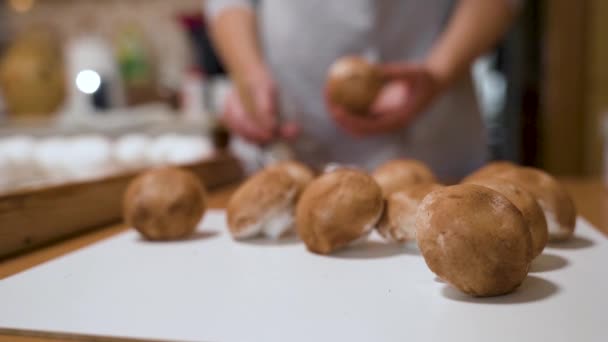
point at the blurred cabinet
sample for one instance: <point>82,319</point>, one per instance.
<point>575,85</point>
<point>596,85</point>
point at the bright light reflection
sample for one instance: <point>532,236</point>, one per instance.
<point>88,81</point>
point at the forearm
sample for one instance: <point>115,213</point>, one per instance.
<point>474,28</point>
<point>234,34</point>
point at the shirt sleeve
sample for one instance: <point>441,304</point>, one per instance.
<point>214,7</point>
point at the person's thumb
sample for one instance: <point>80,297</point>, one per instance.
<point>392,99</point>
<point>399,71</point>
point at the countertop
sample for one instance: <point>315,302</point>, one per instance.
<point>590,196</point>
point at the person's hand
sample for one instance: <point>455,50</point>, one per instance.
<point>409,90</point>
<point>251,109</point>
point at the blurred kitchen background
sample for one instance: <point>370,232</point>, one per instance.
<point>127,78</point>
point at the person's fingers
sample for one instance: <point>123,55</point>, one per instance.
<point>241,122</point>
<point>416,90</point>
<point>265,106</point>
<point>233,118</point>
<point>341,116</point>
<point>361,127</point>
<point>387,115</point>
<point>422,91</point>
<point>385,124</point>
<point>348,122</point>
<point>405,95</point>
<point>392,98</point>
<point>355,125</point>
<point>289,130</point>
<point>412,77</point>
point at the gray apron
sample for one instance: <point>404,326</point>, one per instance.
<point>302,38</point>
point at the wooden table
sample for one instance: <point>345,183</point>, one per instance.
<point>591,199</point>
<point>590,196</point>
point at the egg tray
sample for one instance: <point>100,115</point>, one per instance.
<point>39,215</point>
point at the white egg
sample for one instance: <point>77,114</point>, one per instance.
<point>49,157</point>
<point>157,152</point>
<point>130,151</point>
<point>18,149</point>
<point>4,161</point>
<point>88,157</point>
<point>189,149</point>
<point>17,154</point>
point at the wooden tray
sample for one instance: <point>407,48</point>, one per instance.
<point>34,217</point>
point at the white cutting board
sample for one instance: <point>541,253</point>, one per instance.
<point>214,289</point>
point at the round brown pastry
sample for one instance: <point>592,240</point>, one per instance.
<point>555,201</point>
<point>263,205</point>
<point>398,222</point>
<point>527,205</point>
<point>399,174</point>
<point>489,170</point>
<point>298,171</point>
<point>475,239</point>
<point>338,208</point>
<point>165,203</point>
<point>354,83</point>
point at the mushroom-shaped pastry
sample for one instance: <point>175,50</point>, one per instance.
<point>555,201</point>
<point>298,171</point>
<point>475,239</point>
<point>527,205</point>
<point>265,204</point>
<point>399,174</point>
<point>165,203</point>
<point>398,222</point>
<point>490,169</point>
<point>338,208</point>
<point>354,83</point>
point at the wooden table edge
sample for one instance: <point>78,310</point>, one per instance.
<point>25,335</point>
<point>217,199</point>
